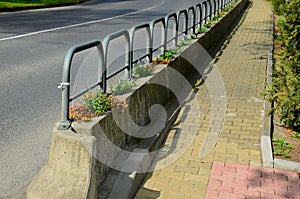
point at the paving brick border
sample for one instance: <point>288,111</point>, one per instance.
<point>229,180</point>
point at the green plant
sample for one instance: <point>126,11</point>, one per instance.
<point>32,3</point>
<point>282,147</point>
<point>164,58</point>
<point>201,29</point>
<point>167,55</point>
<point>226,9</point>
<point>102,103</point>
<point>192,36</point>
<point>296,136</point>
<point>217,17</point>
<point>184,42</point>
<point>79,112</point>
<point>208,24</point>
<point>175,50</point>
<point>284,90</point>
<point>278,6</point>
<point>122,86</point>
<point>229,7</point>
<point>142,69</point>
<point>93,104</point>
<point>97,102</point>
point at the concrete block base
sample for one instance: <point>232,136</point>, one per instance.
<point>68,172</point>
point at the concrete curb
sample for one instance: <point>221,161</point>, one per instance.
<point>287,165</point>
<point>266,139</point>
<point>266,143</point>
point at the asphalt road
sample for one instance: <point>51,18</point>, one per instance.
<point>32,49</point>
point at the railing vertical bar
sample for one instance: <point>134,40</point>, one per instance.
<point>148,42</point>
<point>163,34</point>
<point>194,18</point>
<point>205,16</point>
<point>175,27</point>
<point>106,42</point>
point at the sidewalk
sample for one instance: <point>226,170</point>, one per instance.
<point>233,169</point>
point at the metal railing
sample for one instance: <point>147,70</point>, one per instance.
<point>201,13</point>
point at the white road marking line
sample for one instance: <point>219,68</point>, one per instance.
<point>80,24</point>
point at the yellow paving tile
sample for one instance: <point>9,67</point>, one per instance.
<point>242,66</point>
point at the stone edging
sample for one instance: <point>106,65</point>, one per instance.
<point>267,126</point>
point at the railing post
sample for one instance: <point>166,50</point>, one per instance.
<point>65,86</point>
<point>128,54</point>
<point>65,122</point>
<point>101,67</point>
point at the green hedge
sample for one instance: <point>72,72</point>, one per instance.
<point>32,3</point>
<point>285,88</point>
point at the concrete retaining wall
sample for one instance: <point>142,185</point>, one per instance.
<point>73,169</point>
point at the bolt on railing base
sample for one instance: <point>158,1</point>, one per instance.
<point>65,125</point>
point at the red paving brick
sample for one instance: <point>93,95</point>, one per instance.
<point>230,180</point>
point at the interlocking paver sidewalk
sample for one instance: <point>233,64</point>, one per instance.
<point>233,168</point>
<point>251,182</point>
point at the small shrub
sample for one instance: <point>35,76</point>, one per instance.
<point>91,105</point>
<point>165,58</point>
<point>175,50</point>
<point>192,36</point>
<point>278,6</point>
<point>97,102</point>
<point>122,86</point>
<point>201,29</point>
<point>208,24</point>
<point>296,136</point>
<point>217,17</point>
<point>79,112</point>
<point>226,9</point>
<point>94,104</point>
<point>184,42</point>
<point>142,69</point>
<point>282,147</point>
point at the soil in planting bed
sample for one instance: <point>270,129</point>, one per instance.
<point>281,131</point>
